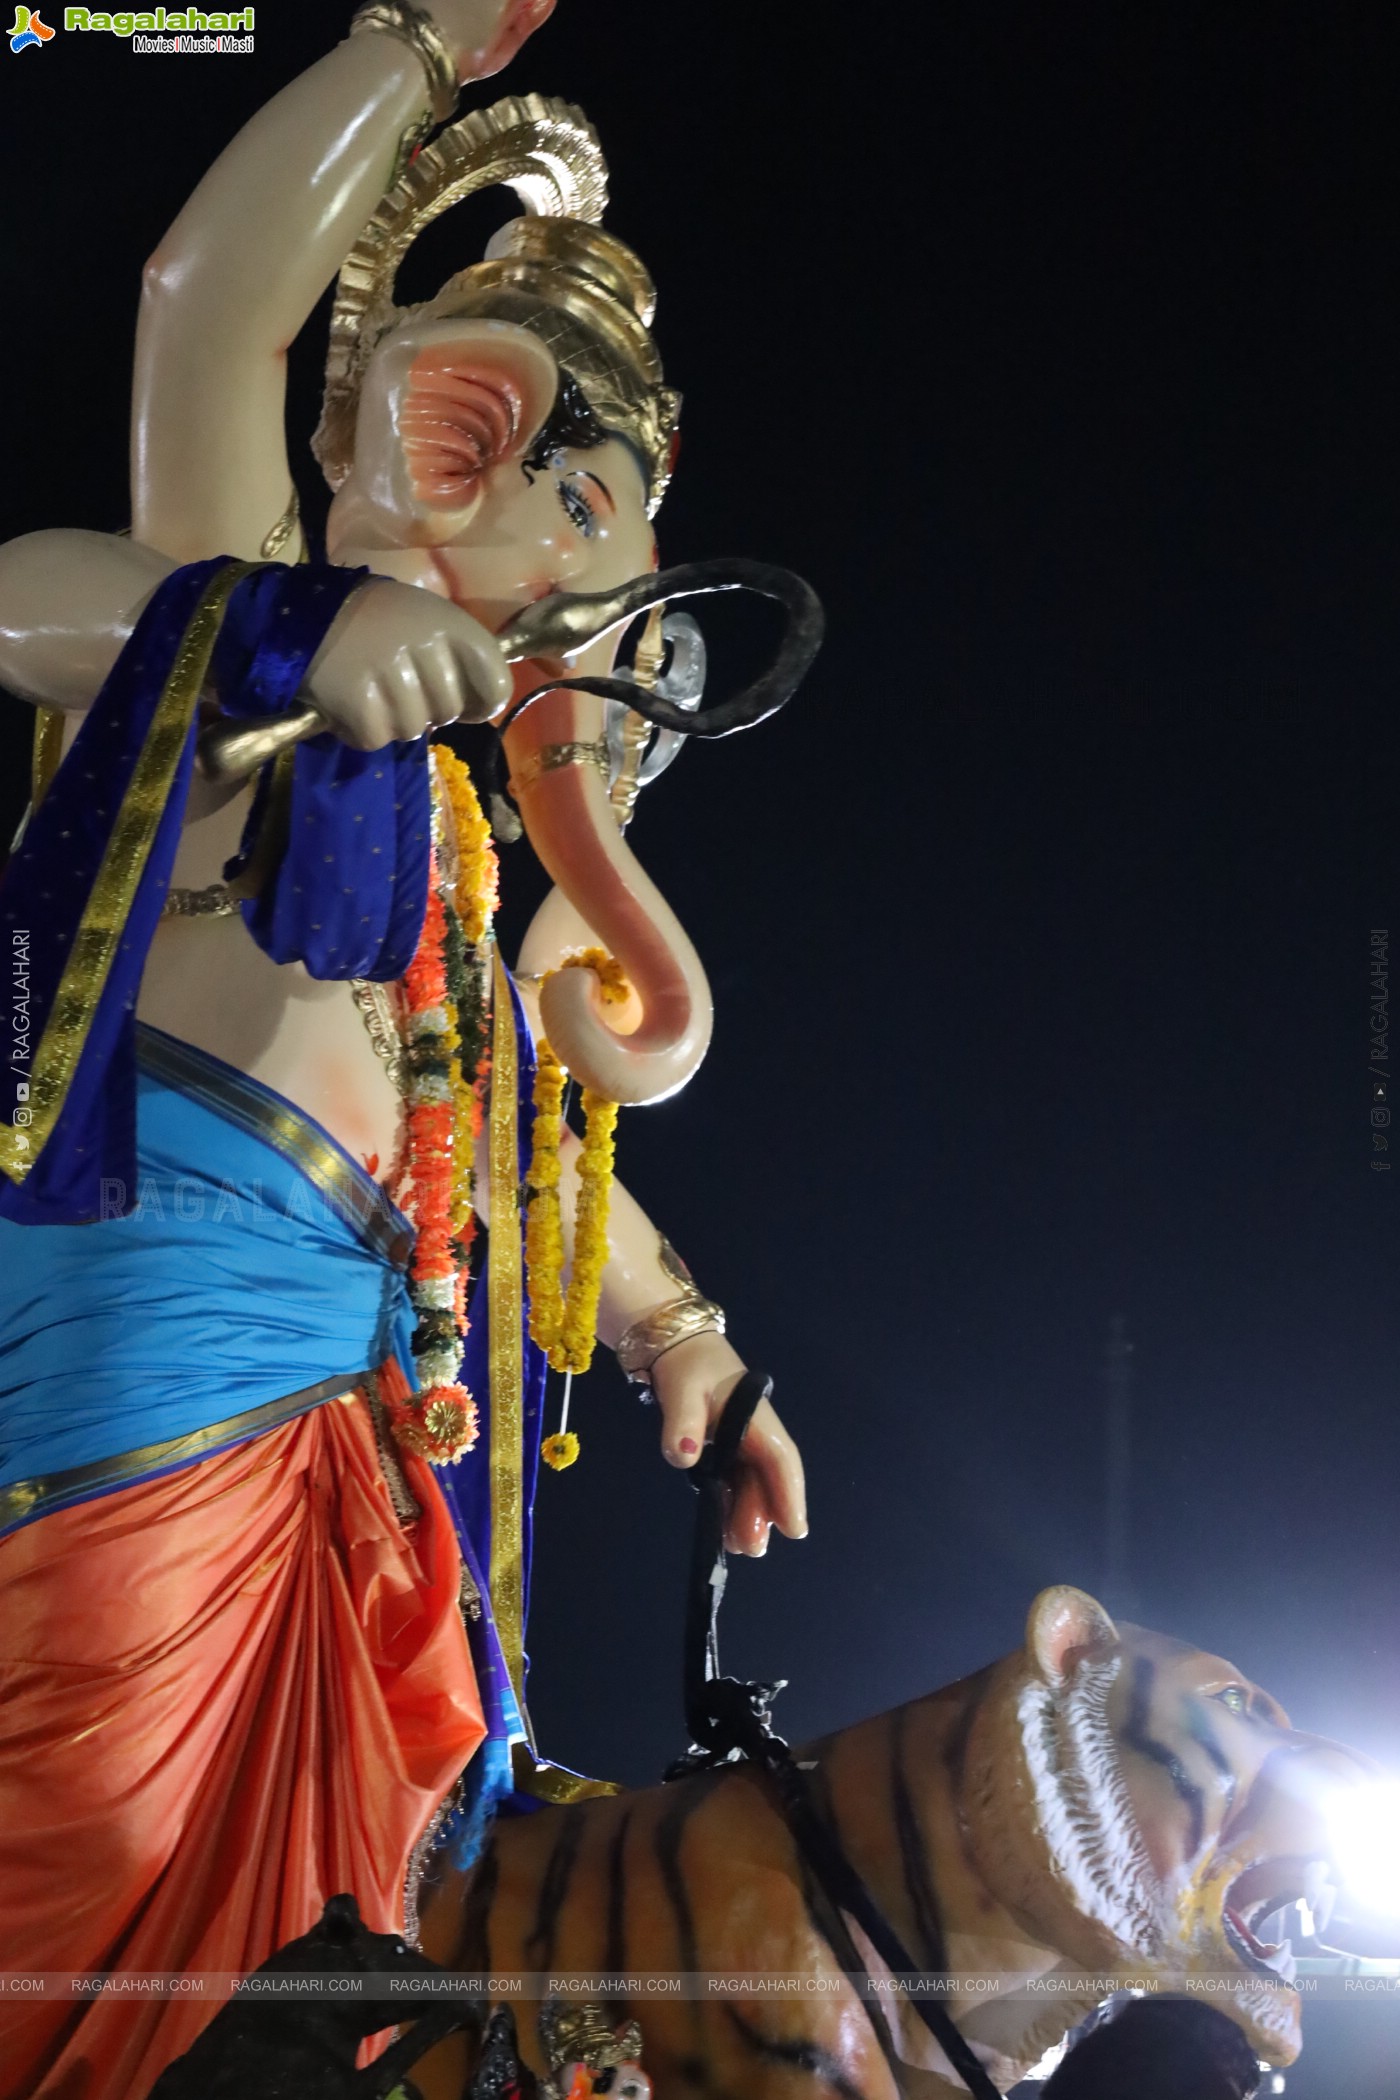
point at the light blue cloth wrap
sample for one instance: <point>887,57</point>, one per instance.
<point>239,1279</point>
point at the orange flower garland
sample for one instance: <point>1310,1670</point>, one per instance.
<point>439,1422</point>
<point>445,1115</point>
<point>444,1120</point>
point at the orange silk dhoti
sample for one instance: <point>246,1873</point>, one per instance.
<point>225,1696</point>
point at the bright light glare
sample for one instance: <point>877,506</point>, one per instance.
<point>1364,1822</point>
<point>1051,2061</point>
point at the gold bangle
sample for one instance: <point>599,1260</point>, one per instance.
<point>552,758</point>
<point>398,18</point>
<point>665,1327</point>
<point>282,531</point>
<point>216,901</point>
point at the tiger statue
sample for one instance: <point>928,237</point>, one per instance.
<point>1105,1803</point>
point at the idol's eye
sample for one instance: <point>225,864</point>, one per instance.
<point>577,508</point>
<point>1235,1697</point>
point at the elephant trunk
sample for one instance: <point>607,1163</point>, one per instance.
<point>571,825</point>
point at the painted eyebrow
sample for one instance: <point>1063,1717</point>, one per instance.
<point>586,476</point>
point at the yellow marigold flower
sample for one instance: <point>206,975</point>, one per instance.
<point>613,981</point>
<point>477,866</point>
<point>564,1324</point>
<point>560,1451</point>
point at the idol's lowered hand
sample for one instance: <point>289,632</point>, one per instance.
<point>692,1382</point>
<point>400,661</point>
<point>484,35</point>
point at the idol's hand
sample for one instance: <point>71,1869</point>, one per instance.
<point>400,661</point>
<point>691,1383</point>
<point>485,35</point>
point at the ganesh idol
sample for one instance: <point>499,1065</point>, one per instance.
<point>292,1220</point>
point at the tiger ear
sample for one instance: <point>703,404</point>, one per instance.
<point>1065,1628</point>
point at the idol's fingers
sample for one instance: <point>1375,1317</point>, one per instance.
<point>400,661</point>
<point>484,35</point>
<point>769,1457</point>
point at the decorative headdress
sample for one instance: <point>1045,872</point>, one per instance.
<point>581,291</point>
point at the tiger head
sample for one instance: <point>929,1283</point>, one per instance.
<point>1144,1808</point>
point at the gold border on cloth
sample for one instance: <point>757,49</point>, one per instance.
<point>555,1783</point>
<point>100,930</point>
<point>506,1303</point>
<point>506,1314</point>
<point>48,752</point>
<point>267,1115</point>
<point>27,1499</point>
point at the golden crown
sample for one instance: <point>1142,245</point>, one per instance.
<point>580,290</point>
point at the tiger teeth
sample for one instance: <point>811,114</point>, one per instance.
<point>1319,1895</point>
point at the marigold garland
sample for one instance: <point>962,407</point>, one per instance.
<point>564,1324</point>
<point>468,1093</point>
<point>478,866</point>
<point>438,1422</point>
<point>595,1177</point>
<point>448,1063</point>
<point>544,1229</point>
<point>613,981</point>
<point>444,1120</point>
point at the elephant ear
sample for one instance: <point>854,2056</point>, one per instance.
<point>442,403</point>
<point>1067,1627</point>
<point>468,403</point>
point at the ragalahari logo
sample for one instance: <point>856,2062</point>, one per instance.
<point>28,30</point>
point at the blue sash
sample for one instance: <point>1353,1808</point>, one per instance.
<point>83,895</point>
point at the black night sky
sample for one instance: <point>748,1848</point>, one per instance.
<point>1058,348</point>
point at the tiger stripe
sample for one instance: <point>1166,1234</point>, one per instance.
<point>1135,1735</point>
<point>800,2055</point>
<point>667,1844</point>
<point>539,1943</point>
<point>830,1926</point>
<point>1013,1825</point>
<point>475,1943</point>
<point>918,1880</point>
<point>615,1923</point>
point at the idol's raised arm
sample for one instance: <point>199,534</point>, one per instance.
<point>241,268</point>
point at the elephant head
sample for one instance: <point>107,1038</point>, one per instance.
<point>496,472</point>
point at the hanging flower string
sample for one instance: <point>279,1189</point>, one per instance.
<point>560,1450</point>
<point>478,870</point>
<point>544,1230</point>
<point>447,1043</point>
<point>564,1324</point>
<point>445,1037</point>
<point>595,1178</point>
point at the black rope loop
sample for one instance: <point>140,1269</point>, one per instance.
<point>730,1722</point>
<point>803,628</point>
